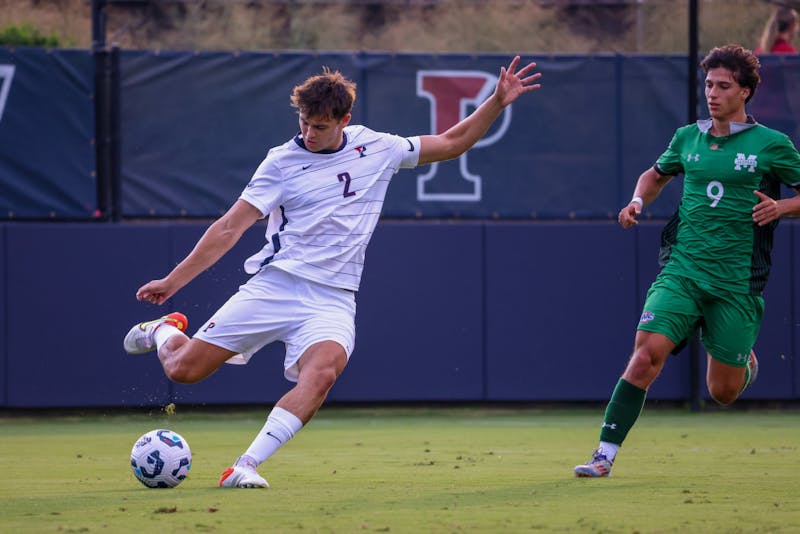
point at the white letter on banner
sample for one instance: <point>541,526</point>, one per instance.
<point>450,92</point>
<point>6,75</point>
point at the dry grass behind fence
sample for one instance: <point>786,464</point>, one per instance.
<point>439,26</point>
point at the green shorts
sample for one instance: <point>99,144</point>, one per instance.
<point>676,305</point>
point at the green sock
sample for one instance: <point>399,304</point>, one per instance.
<point>622,411</point>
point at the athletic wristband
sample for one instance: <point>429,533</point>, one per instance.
<point>637,199</point>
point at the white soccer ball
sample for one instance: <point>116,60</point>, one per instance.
<point>161,459</point>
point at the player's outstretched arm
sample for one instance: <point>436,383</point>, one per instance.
<point>648,187</point>
<point>455,141</point>
<point>215,242</point>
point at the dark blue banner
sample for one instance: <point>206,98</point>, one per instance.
<point>47,159</point>
<point>194,126</point>
<point>197,125</point>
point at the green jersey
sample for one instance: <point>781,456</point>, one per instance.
<point>712,239</point>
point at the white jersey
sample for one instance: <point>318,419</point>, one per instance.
<point>323,206</point>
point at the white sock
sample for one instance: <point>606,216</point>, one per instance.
<point>163,333</point>
<point>609,449</point>
<point>280,427</point>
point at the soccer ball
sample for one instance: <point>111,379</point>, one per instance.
<point>161,459</point>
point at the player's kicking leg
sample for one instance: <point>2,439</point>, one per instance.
<point>141,337</point>
<point>185,360</point>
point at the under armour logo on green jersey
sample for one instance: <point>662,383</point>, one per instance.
<point>693,157</point>
<point>749,162</point>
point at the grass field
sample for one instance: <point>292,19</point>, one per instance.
<point>411,470</point>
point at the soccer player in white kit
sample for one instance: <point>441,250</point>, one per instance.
<point>322,192</point>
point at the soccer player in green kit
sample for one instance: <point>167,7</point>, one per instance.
<point>719,258</point>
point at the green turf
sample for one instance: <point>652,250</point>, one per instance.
<point>411,470</point>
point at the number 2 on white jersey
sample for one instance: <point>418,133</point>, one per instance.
<point>345,177</point>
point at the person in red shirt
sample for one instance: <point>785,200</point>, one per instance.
<point>779,32</point>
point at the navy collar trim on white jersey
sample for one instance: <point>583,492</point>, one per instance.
<point>299,140</point>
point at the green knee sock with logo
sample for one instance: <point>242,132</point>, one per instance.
<point>622,411</point>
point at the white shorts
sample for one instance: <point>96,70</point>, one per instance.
<point>278,306</point>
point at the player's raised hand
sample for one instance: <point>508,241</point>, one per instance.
<point>512,83</point>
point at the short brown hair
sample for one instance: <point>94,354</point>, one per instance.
<point>740,61</point>
<point>327,96</point>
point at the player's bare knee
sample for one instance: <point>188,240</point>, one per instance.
<point>723,394</point>
<point>322,378</point>
<point>182,373</point>
<point>328,377</point>
<point>642,367</point>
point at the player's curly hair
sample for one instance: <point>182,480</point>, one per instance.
<point>325,96</point>
<point>742,62</point>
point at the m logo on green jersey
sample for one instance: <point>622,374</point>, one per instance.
<point>749,162</point>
